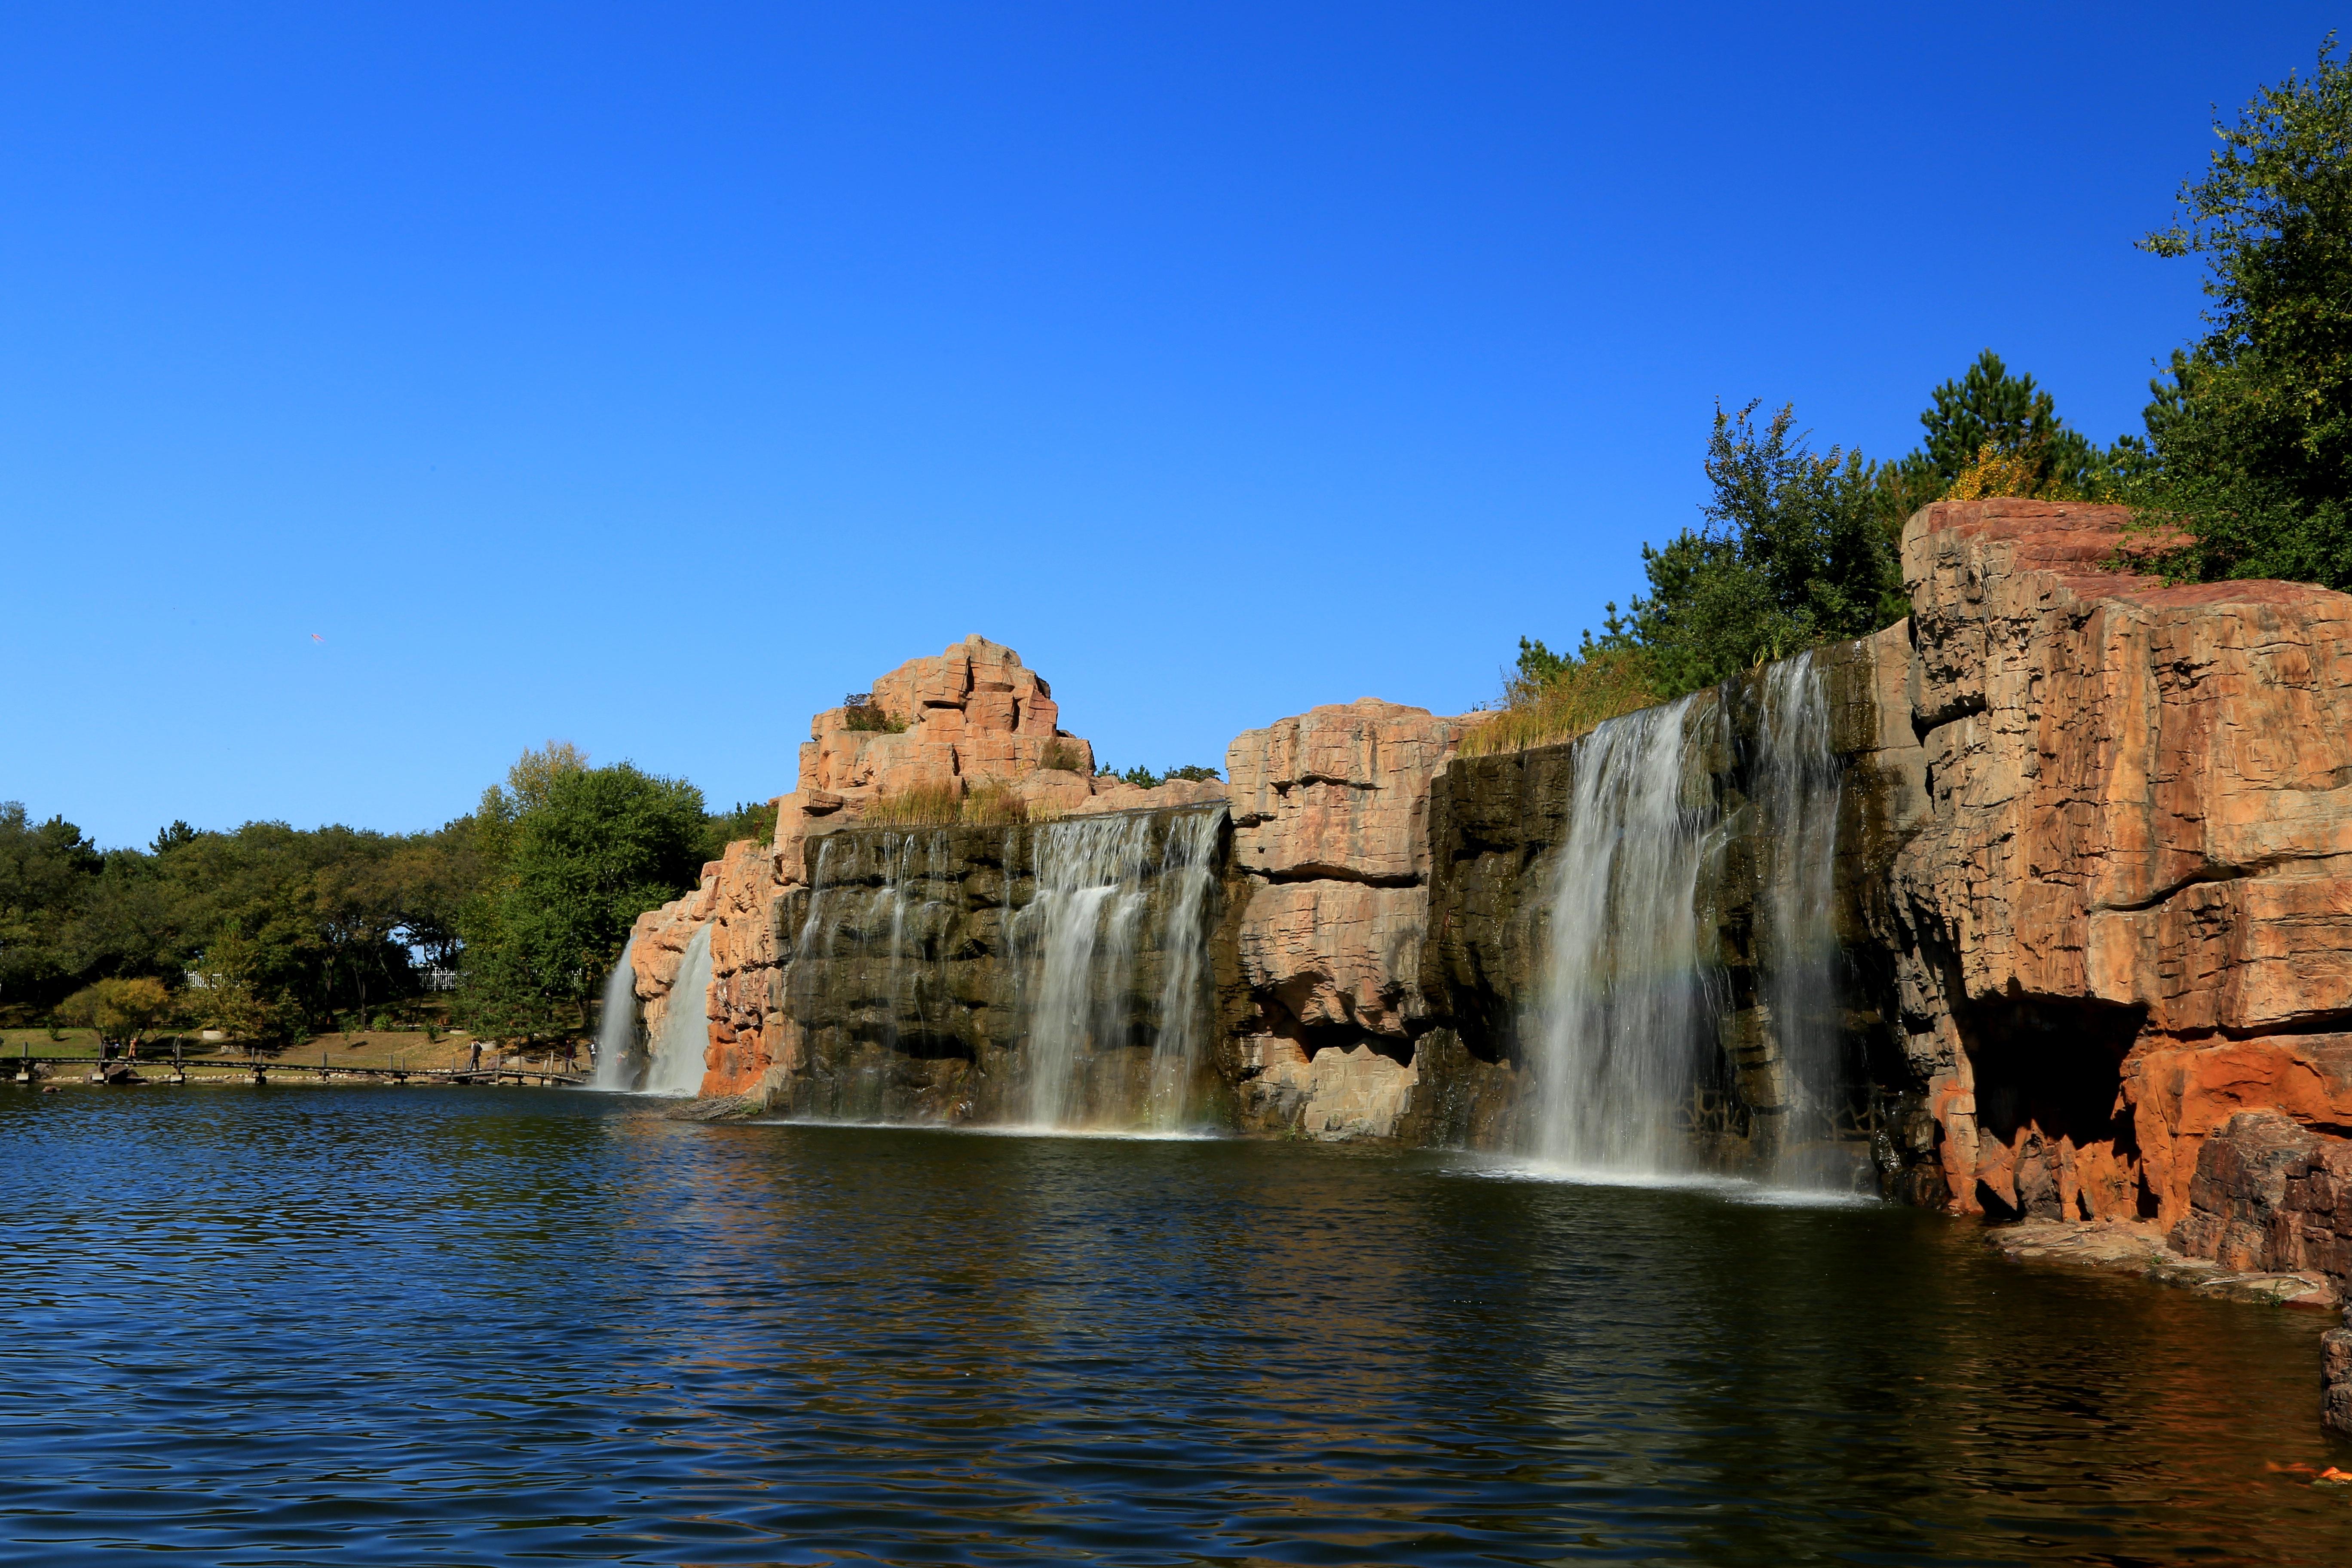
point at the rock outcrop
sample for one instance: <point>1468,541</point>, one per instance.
<point>935,727</point>
<point>2125,915</point>
<point>2270,1195</point>
<point>1329,875</point>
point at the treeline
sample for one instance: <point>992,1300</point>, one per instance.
<point>505,919</point>
<point>2242,469</point>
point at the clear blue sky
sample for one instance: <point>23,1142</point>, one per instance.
<point>649,376</point>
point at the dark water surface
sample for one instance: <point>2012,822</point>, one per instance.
<point>286,1325</point>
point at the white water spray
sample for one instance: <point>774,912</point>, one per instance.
<point>1623,1023</point>
<point>1096,880</point>
<point>617,1028</point>
<point>677,1063</point>
<point>1796,788</point>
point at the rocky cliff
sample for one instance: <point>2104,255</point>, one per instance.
<point>2126,917</point>
<point>2088,926</point>
<point>1329,886</point>
<point>939,728</point>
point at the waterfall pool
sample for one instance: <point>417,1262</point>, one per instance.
<point>290,1325</point>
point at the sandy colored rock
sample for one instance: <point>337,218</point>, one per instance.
<point>971,712</point>
<point>2132,866</point>
<point>1330,812</point>
<point>1340,792</point>
<point>1337,954</point>
<point>1339,1094</point>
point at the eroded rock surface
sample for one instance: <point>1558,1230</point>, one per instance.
<point>969,716</point>
<point>1329,874</point>
<point>2125,916</point>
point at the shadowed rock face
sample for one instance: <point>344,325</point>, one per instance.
<point>1498,824</point>
<point>917,978</point>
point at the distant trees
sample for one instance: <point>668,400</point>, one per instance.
<point>271,932</point>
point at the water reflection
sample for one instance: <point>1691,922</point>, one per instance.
<point>297,1325</point>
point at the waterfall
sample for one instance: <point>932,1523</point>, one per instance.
<point>1636,1014</point>
<point>1625,1022</point>
<point>1795,786</point>
<point>1088,927</point>
<point>677,1063</point>
<point>1189,871</point>
<point>617,1028</point>
<point>1050,975</point>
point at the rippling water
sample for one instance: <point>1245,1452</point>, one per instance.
<point>286,1325</point>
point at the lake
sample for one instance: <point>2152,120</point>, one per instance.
<point>288,1325</point>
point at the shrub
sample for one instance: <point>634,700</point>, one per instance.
<point>924,805</point>
<point>1062,756</point>
<point>1558,697</point>
<point>991,803</point>
<point>859,713</point>
<point>985,803</point>
<point>1194,773</point>
<point>1997,473</point>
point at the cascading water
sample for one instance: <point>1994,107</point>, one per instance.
<point>1635,1016</point>
<point>677,1060</point>
<point>1795,786</point>
<point>1625,1025</point>
<point>1096,879</point>
<point>617,1029</point>
<point>1188,867</point>
<point>1051,975</point>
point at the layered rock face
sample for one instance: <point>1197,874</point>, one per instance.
<point>930,975</point>
<point>968,717</point>
<point>2126,917</point>
<point>1329,889</point>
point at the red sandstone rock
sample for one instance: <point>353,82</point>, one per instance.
<point>2138,825</point>
<point>971,713</point>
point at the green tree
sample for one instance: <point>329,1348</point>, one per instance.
<point>572,856</point>
<point>232,993</point>
<point>2252,425</point>
<point>754,819</point>
<point>118,1009</point>
<point>1987,413</point>
<point>1792,554</point>
<point>44,870</point>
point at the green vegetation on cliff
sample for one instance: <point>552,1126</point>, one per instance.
<point>2245,470</point>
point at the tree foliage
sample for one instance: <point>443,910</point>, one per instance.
<point>2252,424</point>
<point>1793,552</point>
<point>271,932</point>
<point>571,854</point>
<point>118,1009</point>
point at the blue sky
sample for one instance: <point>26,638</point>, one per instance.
<point>650,376</point>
